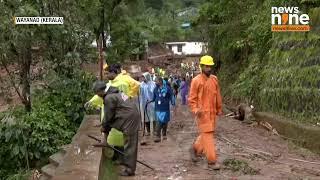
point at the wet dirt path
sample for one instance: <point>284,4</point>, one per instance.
<point>267,156</point>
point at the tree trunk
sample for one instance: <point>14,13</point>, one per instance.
<point>12,80</point>
<point>101,57</point>
<point>102,29</point>
<point>26,60</point>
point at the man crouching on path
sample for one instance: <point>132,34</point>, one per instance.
<point>121,113</point>
<point>205,103</point>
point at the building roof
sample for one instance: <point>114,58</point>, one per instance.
<point>183,42</point>
<point>175,43</point>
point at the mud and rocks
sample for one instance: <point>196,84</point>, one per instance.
<point>258,153</point>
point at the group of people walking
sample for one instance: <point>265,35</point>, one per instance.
<point>126,102</point>
<point>156,98</point>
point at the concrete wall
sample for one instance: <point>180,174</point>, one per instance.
<point>175,49</point>
<point>82,160</point>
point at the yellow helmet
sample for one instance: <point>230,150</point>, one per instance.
<point>105,66</point>
<point>206,60</point>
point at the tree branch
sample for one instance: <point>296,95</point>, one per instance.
<point>12,80</point>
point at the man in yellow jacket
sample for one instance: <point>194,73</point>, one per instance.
<point>125,83</point>
<point>123,76</point>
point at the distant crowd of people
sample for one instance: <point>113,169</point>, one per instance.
<point>126,103</point>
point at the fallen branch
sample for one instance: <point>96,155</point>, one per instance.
<point>230,114</point>
<point>268,126</point>
<point>301,160</point>
<point>250,149</point>
<point>266,153</point>
<point>4,64</point>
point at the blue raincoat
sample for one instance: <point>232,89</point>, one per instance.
<point>162,98</point>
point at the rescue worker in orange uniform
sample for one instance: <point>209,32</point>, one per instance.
<point>205,103</point>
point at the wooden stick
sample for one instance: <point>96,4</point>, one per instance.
<point>301,160</point>
<point>266,153</point>
<point>250,149</point>
<point>117,150</point>
<point>229,114</point>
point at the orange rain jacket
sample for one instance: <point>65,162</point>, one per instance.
<point>205,97</point>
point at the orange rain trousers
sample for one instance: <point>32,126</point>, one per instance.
<point>205,144</point>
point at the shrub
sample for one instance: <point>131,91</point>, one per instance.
<point>27,139</point>
<point>14,142</point>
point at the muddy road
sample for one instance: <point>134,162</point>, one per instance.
<point>244,151</point>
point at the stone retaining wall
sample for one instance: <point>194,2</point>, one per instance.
<point>80,160</point>
<point>305,136</point>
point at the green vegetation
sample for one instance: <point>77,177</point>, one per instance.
<point>237,165</point>
<point>28,138</point>
<point>52,98</point>
<point>277,72</point>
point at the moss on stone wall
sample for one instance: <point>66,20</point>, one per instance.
<point>286,80</point>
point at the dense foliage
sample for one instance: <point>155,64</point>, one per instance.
<point>277,72</point>
<point>57,110</point>
<point>53,97</point>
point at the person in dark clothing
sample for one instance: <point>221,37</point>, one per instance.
<point>175,86</point>
<point>121,113</point>
<point>162,96</point>
<point>184,91</point>
<point>166,79</point>
<point>168,85</point>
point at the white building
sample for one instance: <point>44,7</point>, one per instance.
<point>187,48</point>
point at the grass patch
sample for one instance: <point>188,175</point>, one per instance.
<point>237,165</point>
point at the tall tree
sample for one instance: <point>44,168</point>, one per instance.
<point>17,46</point>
